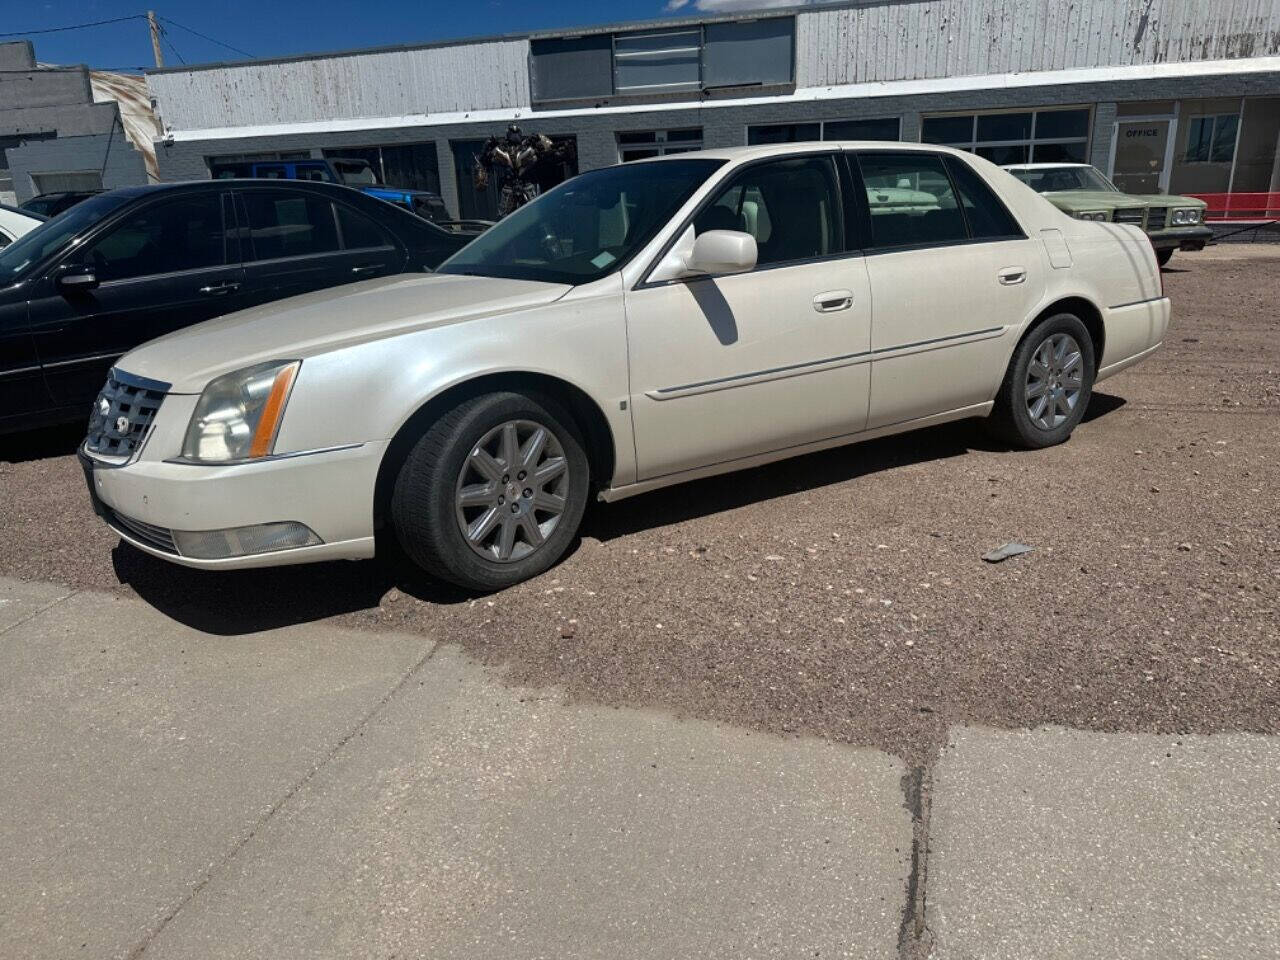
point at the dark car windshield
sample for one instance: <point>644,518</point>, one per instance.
<point>1055,179</point>
<point>586,227</point>
<point>35,247</point>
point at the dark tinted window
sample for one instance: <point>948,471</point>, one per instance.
<point>358,231</point>
<point>791,207</point>
<point>1060,152</point>
<point>1062,123</point>
<point>885,128</point>
<point>947,129</point>
<point>910,200</point>
<point>285,224</point>
<point>987,217</point>
<point>1004,126</point>
<point>1005,155</point>
<point>47,239</point>
<point>784,133</point>
<point>183,233</point>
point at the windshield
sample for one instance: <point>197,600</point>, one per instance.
<point>33,248</point>
<point>355,171</point>
<point>1055,179</point>
<point>586,227</point>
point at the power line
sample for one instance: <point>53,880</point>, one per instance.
<point>164,35</point>
<point>74,26</point>
<point>243,53</point>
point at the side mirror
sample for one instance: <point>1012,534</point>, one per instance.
<point>712,252</point>
<point>723,251</point>
<point>78,278</point>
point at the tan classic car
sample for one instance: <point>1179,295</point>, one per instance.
<point>635,327</point>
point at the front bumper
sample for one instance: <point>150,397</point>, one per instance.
<point>1182,238</point>
<point>329,491</point>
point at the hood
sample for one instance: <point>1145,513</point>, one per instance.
<point>327,320</point>
<point>1093,199</point>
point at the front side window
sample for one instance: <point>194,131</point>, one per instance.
<point>185,233</point>
<point>31,249</point>
<point>587,227</point>
<point>287,224</point>
<point>910,199</point>
<point>792,208</point>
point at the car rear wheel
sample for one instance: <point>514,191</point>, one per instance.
<point>493,493</point>
<point>1048,385</point>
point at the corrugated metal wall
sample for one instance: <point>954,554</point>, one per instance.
<point>388,84</point>
<point>919,39</point>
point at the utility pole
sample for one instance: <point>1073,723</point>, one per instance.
<point>155,37</point>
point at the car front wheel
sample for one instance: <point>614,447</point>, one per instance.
<point>1046,390</point>
<point>493,492</point>
<point>1164,256</point>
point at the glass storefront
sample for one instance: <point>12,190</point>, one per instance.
<point>1059,135</point>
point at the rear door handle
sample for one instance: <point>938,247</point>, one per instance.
<point>1012,275</point>
<point>219,289</point>
<point>833,300</point>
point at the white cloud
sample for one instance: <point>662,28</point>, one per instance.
<point>674,5</point>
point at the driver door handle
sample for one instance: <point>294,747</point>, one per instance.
<point>833,300</point>
<point>220,289</point>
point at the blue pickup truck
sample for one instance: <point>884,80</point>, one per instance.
<point>352,173</point>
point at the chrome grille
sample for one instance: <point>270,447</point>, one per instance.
<point>159,537</point>
<point>1134,216</point>
<point>1156,218</point>
<point>123,413</point>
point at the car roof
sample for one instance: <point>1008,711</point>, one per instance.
<point>1043,166</point>
<point>765,150</point>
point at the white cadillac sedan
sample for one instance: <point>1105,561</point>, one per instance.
<point>635,327</point>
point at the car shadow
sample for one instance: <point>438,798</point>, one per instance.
<point>729,491</point>
<point>234,602</point>
<point>57,441</point>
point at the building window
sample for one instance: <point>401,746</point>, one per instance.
<point>66,181</point>
<point>878,128</point>
<point>410,166</point>
<point>1028,136</point>
<point>642,144</point>
<point>681,60</point>
<point>1212,139</point>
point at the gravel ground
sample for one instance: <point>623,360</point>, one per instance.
<point>843,594</point>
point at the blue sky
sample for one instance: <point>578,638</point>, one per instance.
<point>267,28</point>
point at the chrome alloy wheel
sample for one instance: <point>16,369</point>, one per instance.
<point>511,491</point>
<point>1055,379</point>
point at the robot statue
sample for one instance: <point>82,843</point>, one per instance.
<point>521,163</point>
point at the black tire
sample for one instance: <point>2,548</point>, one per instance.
<point>1164,256</point>
<point>423,506</point>
<point>1011,418</point>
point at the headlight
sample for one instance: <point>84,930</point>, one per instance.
<point>1092,215</point>
<point>239,414</point>
<point>1183,217</point>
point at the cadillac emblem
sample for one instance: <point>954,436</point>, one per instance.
<point>122,425</point>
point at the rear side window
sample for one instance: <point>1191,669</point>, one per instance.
<point>987,217</point>
<point>358,231</point>
<point>185,233</point>
<point>286,224</point>
<point>792,208</point>
<point>910,199</point>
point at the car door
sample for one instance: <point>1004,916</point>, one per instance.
<point>299,240</point>
<point>22,390</point>
<point>952,275</point>
<point>725,367</point>
<point>166,264</point>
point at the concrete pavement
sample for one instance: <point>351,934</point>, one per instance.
<point>319,792</point>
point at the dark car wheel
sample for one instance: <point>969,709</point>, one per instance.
<point>493,492</point>
<point>1047,387</point>
<point>1164,256</point>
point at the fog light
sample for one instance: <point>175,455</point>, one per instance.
<point>244,541</point>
